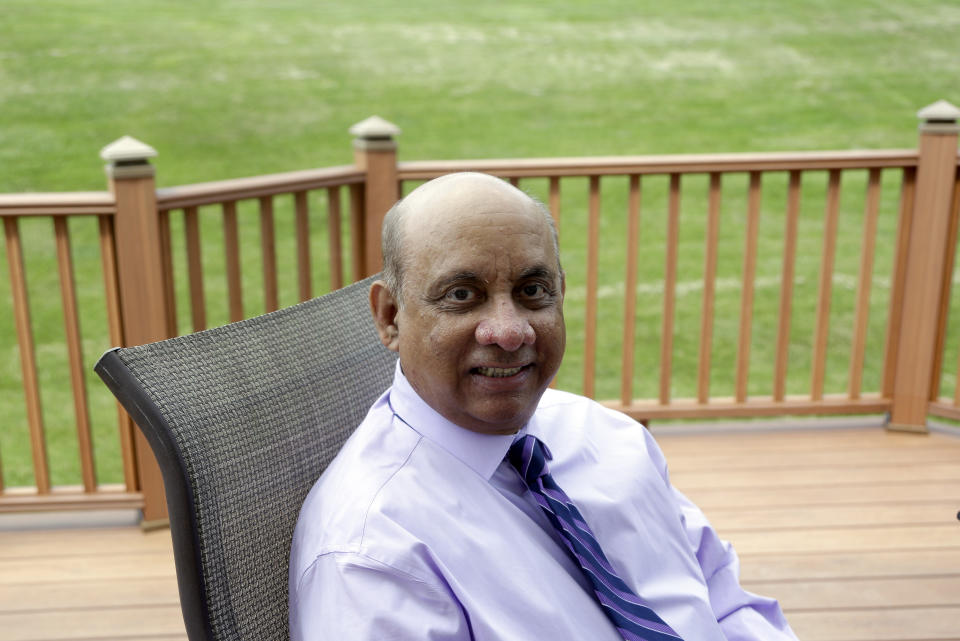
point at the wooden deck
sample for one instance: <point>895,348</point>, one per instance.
<point>854,530</point>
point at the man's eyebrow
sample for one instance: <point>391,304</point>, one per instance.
<point>538,271</point>
<point>463,276</point>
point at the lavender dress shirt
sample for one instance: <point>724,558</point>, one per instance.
<point>418,530</point>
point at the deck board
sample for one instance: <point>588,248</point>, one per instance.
<point>845,594</point>
<point>854,530</point>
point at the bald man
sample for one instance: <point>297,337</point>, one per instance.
<point>429,524</point>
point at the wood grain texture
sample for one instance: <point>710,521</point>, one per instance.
<point>854,531</point>
<point>669,290</point>
<point>746,293</point>
<point>630,291</point>
<point>709,285</point>
<point>786,286</point>
<point>28,362</point>
<point>593,257</point>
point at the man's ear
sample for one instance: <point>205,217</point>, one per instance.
<point>384,307</point>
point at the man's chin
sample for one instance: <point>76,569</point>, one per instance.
<point>499,420</point>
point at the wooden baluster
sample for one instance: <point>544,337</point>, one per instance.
<point>630,293</point>
<point>268,252</point>
<point>786,287</point>
<point>28,363</point>
<point>862,313</point>
<point>166,274</point>
<point>358,227</point>
<point>71,325</point>
<point>111,288</point>
<point>898,279</point>
<point>554,206</point>
<point>555,201</point>
<point>333,238</point>
<point>669,290</point>
<point>303,245</point>
<point>593,248</point>
<point>746,295</point>
<point>824,290</point>
<point>709,288</point>
<point>198,304</point>
<point>231,243</point>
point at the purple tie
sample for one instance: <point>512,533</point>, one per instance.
<point>634,620</point>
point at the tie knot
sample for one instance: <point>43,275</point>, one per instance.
<point>529,456</point>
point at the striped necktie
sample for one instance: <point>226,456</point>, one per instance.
<point>635,621</point>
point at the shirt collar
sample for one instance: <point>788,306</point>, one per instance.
<point>481,452</point>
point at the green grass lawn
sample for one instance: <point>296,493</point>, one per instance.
<point>228,89</point>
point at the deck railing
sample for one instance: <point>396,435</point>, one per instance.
<point>711,246</point>
<point>756,167</point>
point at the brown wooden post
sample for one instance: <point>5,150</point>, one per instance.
<point>936,172</point>
<point>375,151</point>
<point>140,277</point>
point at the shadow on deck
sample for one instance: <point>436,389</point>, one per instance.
<point>854,530</point>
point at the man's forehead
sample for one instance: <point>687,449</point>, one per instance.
<point>475,223</point>
<point>479,235</point>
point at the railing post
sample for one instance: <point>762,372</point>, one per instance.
<point>926,256</point>
<point>140,277</point>
<point>375,150</point>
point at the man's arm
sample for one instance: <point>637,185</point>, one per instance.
<point>742,616</point>
<point>351,596</point>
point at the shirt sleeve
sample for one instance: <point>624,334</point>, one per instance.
<point>351,596</point>
<point>742,615</point>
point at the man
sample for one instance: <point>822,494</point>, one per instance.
<point>420,529</point>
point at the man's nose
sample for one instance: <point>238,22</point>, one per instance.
<point>505,327</point>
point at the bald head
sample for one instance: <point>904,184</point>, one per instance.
<point>475,306</point>
<point>450,200</point>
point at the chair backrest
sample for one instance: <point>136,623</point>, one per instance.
<point>242,420</point>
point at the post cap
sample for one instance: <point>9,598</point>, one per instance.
<point>374,128</point>
<point>127,150</point>
<point>939,118</point>
<point>127,158</point>
<point>374,134</point>
<point>940,111</point>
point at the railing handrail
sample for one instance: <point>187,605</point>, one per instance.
<point>209,193</point>
<point>66,203</point>
<point>212,192</point>
<point>665,164</point>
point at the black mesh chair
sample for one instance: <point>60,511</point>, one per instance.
<point>243,419</point>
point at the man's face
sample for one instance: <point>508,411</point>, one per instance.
<point>481,331</point>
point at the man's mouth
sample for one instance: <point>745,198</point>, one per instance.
<point>499,372</point>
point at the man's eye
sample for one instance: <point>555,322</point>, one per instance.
<point>461,295</point>
<point>533,290</point>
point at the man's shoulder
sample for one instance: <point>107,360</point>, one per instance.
<point>562,407</point>
<point>385,476</point>
<point>571,423</point>
<point>335,509</point>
